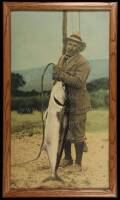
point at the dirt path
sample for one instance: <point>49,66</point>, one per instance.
<point>95,165</point>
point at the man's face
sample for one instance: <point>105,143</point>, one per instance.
<point>72,48</point>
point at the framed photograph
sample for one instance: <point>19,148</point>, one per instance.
<point>59,137</point>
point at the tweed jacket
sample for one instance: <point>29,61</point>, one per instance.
<point>74,73</point>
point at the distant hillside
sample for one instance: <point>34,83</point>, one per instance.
<point>99,69</point>
<point>97,84</point>
<point>33,78</point>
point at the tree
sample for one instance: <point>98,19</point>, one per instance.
<point>101,83</point>
<point>17,81</point>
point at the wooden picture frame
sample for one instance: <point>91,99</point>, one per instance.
<point>22,6</point>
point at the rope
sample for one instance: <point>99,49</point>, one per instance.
<point>72,22</point>
<point>79,21</point>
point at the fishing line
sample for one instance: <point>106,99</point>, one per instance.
<point>79,21</point>
<point>42,116</point>
<point>71,16</point>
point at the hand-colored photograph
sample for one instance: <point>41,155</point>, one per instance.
<point>60,99</point>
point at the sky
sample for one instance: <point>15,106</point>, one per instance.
<point>36,36</point>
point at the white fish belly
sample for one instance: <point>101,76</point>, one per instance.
<point>52,139</point>
<point>53,125</point>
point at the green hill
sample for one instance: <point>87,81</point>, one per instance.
<point>99,69</point>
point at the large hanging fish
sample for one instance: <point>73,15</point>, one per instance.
<point>55,122</point>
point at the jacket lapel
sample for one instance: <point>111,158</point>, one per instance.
<point>71,62</point>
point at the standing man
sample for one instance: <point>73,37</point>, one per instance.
<point>73,70</point>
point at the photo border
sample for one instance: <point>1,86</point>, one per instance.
<point>8,7</point>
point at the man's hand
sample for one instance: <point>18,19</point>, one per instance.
<point>56,73</point>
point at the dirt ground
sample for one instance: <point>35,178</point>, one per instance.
<point>30,175</point>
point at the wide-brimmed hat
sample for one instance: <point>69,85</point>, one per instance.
<point>76,37</point>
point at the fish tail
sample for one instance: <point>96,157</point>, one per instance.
<point>53,178</point>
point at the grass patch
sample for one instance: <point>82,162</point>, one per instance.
<point>97,121</point>
<point>26,123</point>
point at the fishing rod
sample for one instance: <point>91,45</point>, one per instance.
<point>42,116</point>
